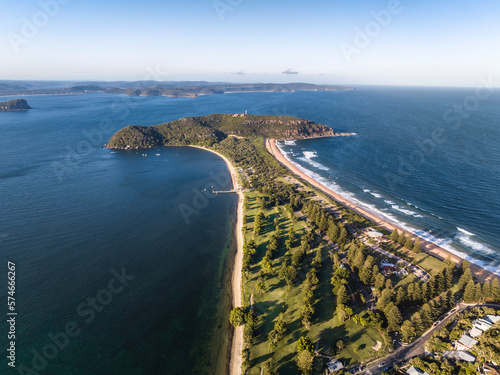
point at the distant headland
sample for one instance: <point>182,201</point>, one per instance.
<point>212,129</point>
<point>183,89</point>
<point>14,105</point>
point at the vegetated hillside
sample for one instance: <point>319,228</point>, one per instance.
<point>211,129</point>
<point>14,105</point>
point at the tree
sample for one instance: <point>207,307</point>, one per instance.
<point>393,317</point>
<point>379,282</point>
<point>237,316</point>
<point>407,331</point>
<point>260,287</point>
<point>266,264</point>
<point>263,204</point>
<point>395,235</point>
<point>342,313</point>
<point>400,296</point>
<point>340,344</point>
<point>417,248</point>
<point>385,299</point>
<point>469,292</point>
<point>304,344</point>
<point>305,362</point>
<point>495,290</point>
<point>487,294</point>
<point>402,238</point>
<point>342,295</point>
<point>409,243</point>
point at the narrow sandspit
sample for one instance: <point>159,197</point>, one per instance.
<point>431,248</point>
<point>237,342</point>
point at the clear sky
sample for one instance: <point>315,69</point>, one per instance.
<point>444,43</point>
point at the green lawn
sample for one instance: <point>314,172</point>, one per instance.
<point>279,298</point>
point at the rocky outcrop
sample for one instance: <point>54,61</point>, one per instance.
<point>14,105</point>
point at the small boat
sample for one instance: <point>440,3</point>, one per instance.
<point>157,154</point>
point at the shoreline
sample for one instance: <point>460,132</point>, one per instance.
<point>429,247</point>
<point>236,345</point>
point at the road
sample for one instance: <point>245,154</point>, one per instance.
<point>416,348</point>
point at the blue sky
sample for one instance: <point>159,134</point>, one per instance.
<point>445,43</point>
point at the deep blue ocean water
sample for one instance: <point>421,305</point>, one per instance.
<point>71,212</point>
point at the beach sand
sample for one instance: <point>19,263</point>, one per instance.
<point>237,341</point>
<point>431,248</point>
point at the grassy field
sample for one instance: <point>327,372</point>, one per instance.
<point>326,329</point>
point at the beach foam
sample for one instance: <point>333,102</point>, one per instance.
<point>405,211</point>
<point>445,243</point>
<point>376,195</point>
<point>290,143</point>
<point>308,155</point>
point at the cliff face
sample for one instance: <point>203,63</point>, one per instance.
<point>208,130</point>
<point>14,105</point>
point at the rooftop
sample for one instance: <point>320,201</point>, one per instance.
<point>467,341</point>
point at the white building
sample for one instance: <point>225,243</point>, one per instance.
<point>465,343</point>
<point>460,355</point>
<point>415,371</point>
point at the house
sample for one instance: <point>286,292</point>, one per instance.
<point>334,366</point>
<point>374,234</point>
<point>415,371</point>
<point>465,343</point>
<point>459,355</point>
<point>492,318</point>
<point>388,268</point>
<point>475,332</point>
<point>482,324</point>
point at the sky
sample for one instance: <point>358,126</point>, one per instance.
<point>396,42</point>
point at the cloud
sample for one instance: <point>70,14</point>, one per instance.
<point>290,71</point>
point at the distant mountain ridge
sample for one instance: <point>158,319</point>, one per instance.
<point>153,88</point>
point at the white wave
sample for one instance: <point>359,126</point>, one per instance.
<point>465,232</point>
<point>290,143</point>
<point>388,201</point>
<point>314,164</point>
<point>445,243</point>
<point>376,195</point>
<point>310,154</point>
<point>465,237</point>
<point>413,205</point>
<point>405,211</point>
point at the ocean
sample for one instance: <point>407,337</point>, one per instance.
<point>125,252</point>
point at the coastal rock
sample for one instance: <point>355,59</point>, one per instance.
<point>14,105</point>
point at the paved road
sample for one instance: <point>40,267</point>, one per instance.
<point>416,348</point>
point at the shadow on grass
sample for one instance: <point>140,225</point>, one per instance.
<point>287,364</point>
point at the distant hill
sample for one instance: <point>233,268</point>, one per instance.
<point>153,88</point>
<point>14,105</point>
<point>211,129</point>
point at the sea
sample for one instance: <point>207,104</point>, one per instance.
<point>123,258</point>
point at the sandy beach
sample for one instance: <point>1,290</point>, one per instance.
<point>237,342</point>
<point>431,248</point>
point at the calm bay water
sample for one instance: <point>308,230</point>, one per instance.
<point>71,212</point>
